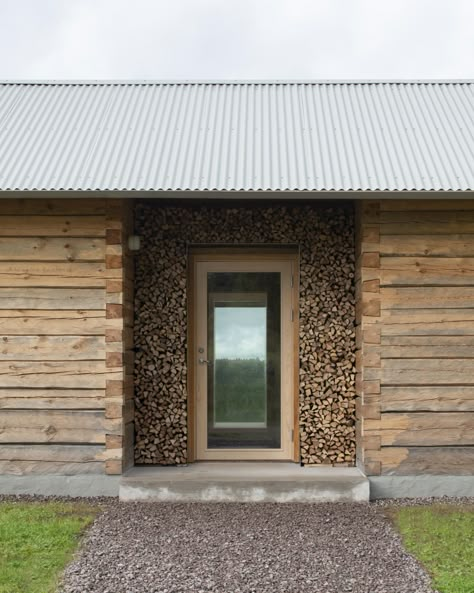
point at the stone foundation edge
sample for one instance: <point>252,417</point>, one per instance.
<point>60,485</point>
<point>420,486</point>
<point>380,486</point>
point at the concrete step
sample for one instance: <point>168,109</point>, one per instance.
<point>244,482</point>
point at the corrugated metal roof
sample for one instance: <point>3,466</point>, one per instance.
<point>237,136</point>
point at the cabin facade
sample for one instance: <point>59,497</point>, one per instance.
<point>237,272</point>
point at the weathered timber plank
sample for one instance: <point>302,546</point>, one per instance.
<point>427,322</point>
<point>113,467</point>
<point>65,468</point>
<point>426,222</point>
<point>444,316</point>
<point>56,374</point>
<point>54,207</point>
<point>427,297</point>
<point>453,271</point>
<point>51,249</point>
<point>406,461</point>
<point>447,217</point>
<point>430,346</point>
<point>51,459</point>
<point>128,445</point>
<point>418,376</point>
<point>448,341</point>
<point>52,226</point>
<point>74,453</point>
<point>454,245</point>
<point>59,426</point>
<point>455,352</point>
<point>60,399</point>
<point>435,364</point>
<point>425,205</point>
<point>397,327</point>
<point>52,298</point>
<point>36,322</point>
<point>52,348</point>
<point>54,274</point>
<point>423,428</point>
<point>421,227</point>
<point>436,398</point>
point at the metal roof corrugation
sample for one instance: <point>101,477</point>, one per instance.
<point>237,136</point>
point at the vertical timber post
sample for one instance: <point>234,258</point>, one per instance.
<point>119,331</point>
<point>368,333</point>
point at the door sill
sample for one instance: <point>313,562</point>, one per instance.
<point>242,456</point>
<point>244,482</point>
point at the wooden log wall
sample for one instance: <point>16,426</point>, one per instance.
<point>327,321</point>
<point>415,336</point>
<point>61,277</point>
<point>119,330</point>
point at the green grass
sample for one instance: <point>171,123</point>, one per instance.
<point>37,540</point>
<point>441,536</point>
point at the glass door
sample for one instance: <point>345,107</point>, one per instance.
<point>244,349</point>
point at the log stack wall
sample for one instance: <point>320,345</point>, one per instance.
<point>416,336</point>
<point>325,236</point>
<point>60,279</point>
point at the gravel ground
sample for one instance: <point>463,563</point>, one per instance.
<point>237,548</point>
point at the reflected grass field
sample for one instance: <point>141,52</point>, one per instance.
<point>240,390</point>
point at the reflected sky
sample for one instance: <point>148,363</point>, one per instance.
<point>240,332</point>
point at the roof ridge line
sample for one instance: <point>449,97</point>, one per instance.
<point>152,82</point>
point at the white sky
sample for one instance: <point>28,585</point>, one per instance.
<point>240,332</point>
<point>229,39</point>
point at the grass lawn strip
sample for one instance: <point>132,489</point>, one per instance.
<point>37,540</point>
<point>441,537</point>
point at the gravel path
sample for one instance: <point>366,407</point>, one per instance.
<point>243,548</point>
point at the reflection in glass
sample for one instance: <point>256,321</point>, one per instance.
<point>244,350</point>
<point>240,335</point>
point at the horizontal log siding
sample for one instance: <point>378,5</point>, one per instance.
<point>55,416</point>
<point>417,383</point>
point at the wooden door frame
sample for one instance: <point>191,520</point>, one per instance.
<point>257,253</point>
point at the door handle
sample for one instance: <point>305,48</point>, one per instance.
<point>204,361</point>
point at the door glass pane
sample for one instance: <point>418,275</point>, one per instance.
<point>240,336</point>
<point>244,354</point>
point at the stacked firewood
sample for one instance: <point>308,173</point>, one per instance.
<point>325,236</point>
<point>160,360</point>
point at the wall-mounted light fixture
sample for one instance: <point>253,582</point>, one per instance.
<point>134,242</point>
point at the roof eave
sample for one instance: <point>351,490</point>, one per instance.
<point>243,195</point>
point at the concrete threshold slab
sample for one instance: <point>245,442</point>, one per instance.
<point>244,482</point>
